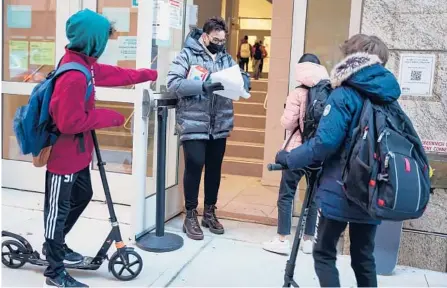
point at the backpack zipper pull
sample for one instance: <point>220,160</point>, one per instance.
<point>381,136</point>
<point>387,160</point>
<point>365,133</point>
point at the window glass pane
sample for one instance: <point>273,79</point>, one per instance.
<point>29,30</point>
<point>327,27</point>
<point>11,149</point>
<point>167,37</point>
<point>116,143</point>
<point>121,49</point>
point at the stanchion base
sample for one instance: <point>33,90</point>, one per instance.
<point>166,243</point>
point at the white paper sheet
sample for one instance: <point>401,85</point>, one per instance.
<point>111,54</point>
<point>127,47</point>
<point>119,16</point>
<point>231,79</point>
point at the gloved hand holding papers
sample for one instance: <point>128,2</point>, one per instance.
<point>233,82</point>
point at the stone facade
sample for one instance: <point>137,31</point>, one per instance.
<point>419,26</point>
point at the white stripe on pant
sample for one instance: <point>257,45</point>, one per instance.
<point>54,206</point>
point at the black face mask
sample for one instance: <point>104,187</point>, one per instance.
<point>215,48</point>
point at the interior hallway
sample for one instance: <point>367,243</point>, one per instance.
<point>245,198</point>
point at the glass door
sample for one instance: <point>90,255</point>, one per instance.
<point>34,41</point>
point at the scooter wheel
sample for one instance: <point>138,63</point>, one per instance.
<point>8,248</point>
<point>126,265</point>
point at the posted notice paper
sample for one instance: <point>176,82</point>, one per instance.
<point>119,16</point>
<point>231,79</point>
<point>18,57</point>
<point>42,53</point>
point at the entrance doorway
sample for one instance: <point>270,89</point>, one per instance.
<point>318,27</point>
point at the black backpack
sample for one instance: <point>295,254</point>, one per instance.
<point>316,102</point>
<point>258,52</point>
<point>386,171</point>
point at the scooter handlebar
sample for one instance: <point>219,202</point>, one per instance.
<point>275,167</point>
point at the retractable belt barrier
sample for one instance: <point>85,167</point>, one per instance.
<point>160,241</point>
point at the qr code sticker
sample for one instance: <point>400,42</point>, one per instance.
<point>416,75</point>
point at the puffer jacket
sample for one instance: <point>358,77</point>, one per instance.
<point>308,74</point>
<point>359,75</point>
<point>200,116</point>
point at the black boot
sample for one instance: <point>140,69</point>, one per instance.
<point>210,220</point>
<point>191,225</point>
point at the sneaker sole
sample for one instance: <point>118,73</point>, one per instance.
<point>213,230</point>
<point>49,283</point>
<point>283,253</point>
<point>192,236</point>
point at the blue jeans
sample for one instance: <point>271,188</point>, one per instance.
<point>287,190</point>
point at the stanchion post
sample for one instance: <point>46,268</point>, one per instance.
<point>160,241</point>
<point>161,172</point>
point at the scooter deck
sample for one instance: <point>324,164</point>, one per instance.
<point>86,264</point>
<point>386,251</point>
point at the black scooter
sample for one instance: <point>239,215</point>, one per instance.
<point>125,264</point>
<point>311,177</point>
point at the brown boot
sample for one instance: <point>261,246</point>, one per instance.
<point>191,225</point>
<point>209,220</point>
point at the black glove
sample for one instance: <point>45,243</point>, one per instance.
<point>209,88</point>
<point>281,158</point>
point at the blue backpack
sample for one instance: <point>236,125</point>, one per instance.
<point>386,169</point>
<point>33,126</point>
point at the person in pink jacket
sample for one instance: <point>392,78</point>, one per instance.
<point>308,73</point>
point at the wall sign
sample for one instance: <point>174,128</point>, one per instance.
<point>435,146</point>
<point>416,74</point>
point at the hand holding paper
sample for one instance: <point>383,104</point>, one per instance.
<point>210,88</point>
<point>233,82</point>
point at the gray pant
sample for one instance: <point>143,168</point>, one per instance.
<point>287,189</point>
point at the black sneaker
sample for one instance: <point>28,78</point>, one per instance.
<point>63,280</point>
<point>71,257</point>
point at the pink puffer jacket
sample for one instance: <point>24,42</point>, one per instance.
<point>308,74</point>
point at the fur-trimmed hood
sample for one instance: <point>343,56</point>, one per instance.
<point>365,73</point>
<point>309,74</point>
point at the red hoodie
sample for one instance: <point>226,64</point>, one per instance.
<point>73,115</point>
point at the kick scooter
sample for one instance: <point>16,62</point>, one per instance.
<point>125,264</point>
<point>311,177</point>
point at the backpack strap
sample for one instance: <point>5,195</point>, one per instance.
<point>74,66</point>
<point>81,68</point>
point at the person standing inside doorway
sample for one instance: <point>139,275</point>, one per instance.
<point>264,55</point>
<point>204,119</point>
<point>244,53</point>
<point>68,186</point>
<point>257,58</point>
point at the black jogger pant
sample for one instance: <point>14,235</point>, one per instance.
<point>199,153</point>
<point>362,248</point>
<point>66,196</point>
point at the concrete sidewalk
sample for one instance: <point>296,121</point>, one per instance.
<point>232,260</point>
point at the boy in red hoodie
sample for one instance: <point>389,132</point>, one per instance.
<point>68,185</point>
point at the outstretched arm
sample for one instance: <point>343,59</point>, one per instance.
<point>113,76</point>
